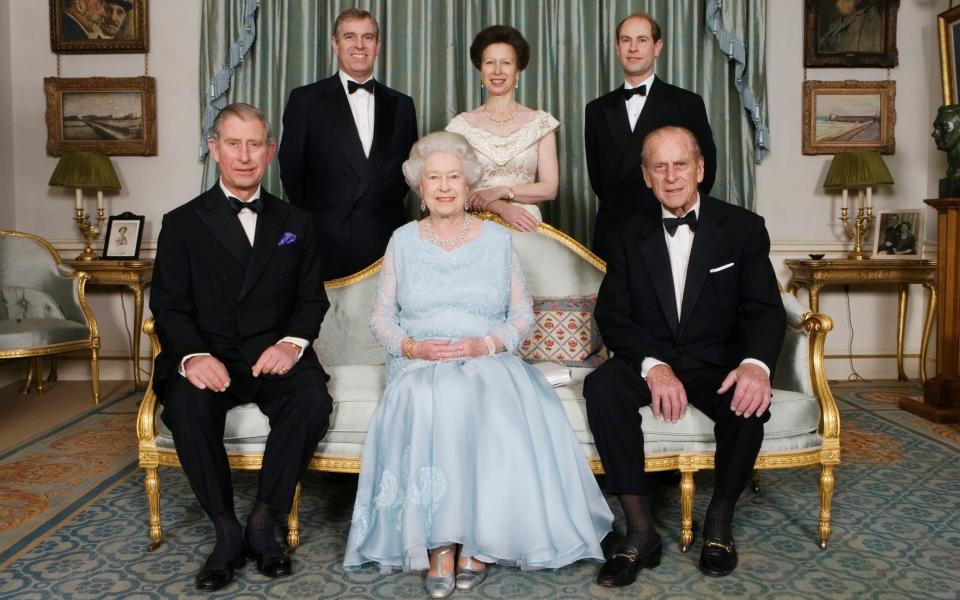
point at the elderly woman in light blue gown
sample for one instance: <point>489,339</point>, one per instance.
<point>469,459</point>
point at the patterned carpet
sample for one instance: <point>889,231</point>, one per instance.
<point>73,524</point>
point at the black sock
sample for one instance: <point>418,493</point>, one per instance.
<point>229,538</point>
<point>641,534</point>
<point>718,522</point>
<point>261,529</point>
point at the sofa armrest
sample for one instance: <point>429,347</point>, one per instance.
<point>146,416</point>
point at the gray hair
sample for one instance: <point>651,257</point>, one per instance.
<point>448,143</point>
<point>667,129</point>
<point>244,112</point>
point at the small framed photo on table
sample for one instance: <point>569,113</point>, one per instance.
<point>898,234</point>
<point>124,233</point>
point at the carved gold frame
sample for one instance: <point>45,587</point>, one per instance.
<point>139,44</point>
<point>55,87</point>
<point>948,22</point>
<point>886,90</point>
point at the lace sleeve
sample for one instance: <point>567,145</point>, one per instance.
<point>520,313</point>
<point>384,320</point>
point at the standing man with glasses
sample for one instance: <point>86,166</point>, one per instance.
<point>344,139</point>
<point>616,124</point>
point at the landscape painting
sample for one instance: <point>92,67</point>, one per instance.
<point>848,115</point>
<point>113,116</point>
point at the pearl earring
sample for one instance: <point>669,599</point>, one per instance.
<point>423,205</point>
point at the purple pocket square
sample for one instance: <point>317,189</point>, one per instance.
<point>287,238</point>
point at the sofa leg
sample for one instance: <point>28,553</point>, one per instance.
<point>687,491</point>
<point>28,380</point>
<point>826,496</point>
<point>38,374</point>
<point>152,484</point>
<point>293,520</point>
<point>755,481</point>
<point>95,375</point>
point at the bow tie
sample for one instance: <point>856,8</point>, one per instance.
<point>631,92</point>
<point>671,223</point>
<point>238,205</point>
<point>353,86</point>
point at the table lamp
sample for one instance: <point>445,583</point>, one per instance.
<point>859,171</point>
<point>86,170</point>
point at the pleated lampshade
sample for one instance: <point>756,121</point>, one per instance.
<point>85,170</point>
<point>853,170</point>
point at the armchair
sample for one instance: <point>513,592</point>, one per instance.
<point>43,309</point>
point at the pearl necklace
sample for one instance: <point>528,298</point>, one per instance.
<point>501,122</point>
<point>453,242</point>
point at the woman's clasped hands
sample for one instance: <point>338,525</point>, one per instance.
<point>432,349</point>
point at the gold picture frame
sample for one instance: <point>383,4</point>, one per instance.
<point>864,37</point>
<point>948,30</point>
<point>116,116</point>
<point>840,116</point>
<point>107,27</point>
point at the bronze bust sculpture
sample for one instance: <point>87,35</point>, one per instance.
<point>946,134</point>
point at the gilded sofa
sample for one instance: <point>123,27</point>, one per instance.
<point>804,428</point>
<point>43,307</point>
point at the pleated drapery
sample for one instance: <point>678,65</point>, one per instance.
<point>425,53</point>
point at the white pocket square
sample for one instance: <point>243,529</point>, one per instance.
<point>718,269</point>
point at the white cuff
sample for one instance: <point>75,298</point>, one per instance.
<point>753,361</point>
<point>302,343</point>
<point>183,371</point>
<point>647,364</point>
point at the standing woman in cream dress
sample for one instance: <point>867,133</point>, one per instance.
<point>517,145</point>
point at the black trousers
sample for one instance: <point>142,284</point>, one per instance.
<point>616,391</point>
<point>298,407</point>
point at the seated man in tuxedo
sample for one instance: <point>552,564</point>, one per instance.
<point>237,297</point>
<point>691,310</point>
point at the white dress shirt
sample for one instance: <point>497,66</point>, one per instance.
<point>362,107</point>
<point>679,246</point>
<point>248,220</point>
<point>636,102</point>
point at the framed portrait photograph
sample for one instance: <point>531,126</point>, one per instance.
<point>850,33</point>
<point>109,115</point>
<point>898,234</point>
<point>948,29</point>
<point>98,26</point>
<point>124,234</point>
<point>849,115</point>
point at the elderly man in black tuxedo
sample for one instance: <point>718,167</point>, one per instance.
<point>344,139</point>
<point>616,124</point>
<point>237,297</point>
<point>691,310</point>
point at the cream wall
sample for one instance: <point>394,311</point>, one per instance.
<point>799,215</point>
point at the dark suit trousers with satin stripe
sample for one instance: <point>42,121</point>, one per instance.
<point>615,392</point>
<point>298,407</point>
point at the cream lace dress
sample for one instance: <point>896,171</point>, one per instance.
<point>510,159</point>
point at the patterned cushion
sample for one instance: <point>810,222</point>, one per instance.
<point>564,331</point>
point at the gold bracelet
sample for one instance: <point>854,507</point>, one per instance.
<point>406,348</point>
<point>511,195</point>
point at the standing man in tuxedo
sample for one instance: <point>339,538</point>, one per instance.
<point>238,298</point>
<point>344,139</point>
<point>616,124</point>
<point>691,310</point>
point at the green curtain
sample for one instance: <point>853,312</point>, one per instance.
<point>424,53</point>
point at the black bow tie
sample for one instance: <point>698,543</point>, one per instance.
<point>631,92</point>
<point>353,86</point>
<point>671,223</point>
<point>238,205</point>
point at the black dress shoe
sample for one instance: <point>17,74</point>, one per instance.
<point>622,568</point>
<point>718,557</point>
<point>217,574</point>
<point>272,563</point>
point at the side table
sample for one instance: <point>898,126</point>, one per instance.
<point>133,274</point>
<point>815,274</point>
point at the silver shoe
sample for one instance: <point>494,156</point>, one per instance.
<point>440,586</point>
<point>468,578</point>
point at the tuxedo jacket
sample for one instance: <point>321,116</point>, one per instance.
<point>213,292</point>
<point>731,307</point>
<point>613,151</point>
<point>356,201</point>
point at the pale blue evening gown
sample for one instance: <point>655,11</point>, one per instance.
<point>475,451</point>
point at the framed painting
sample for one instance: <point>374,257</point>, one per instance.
<point>898,234</point>
<point>124,234</point>
<point>948,28</point>
<point>850,33</point>
<point>109,115</point>
<point>848,115</point>
<point>98,26</point>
